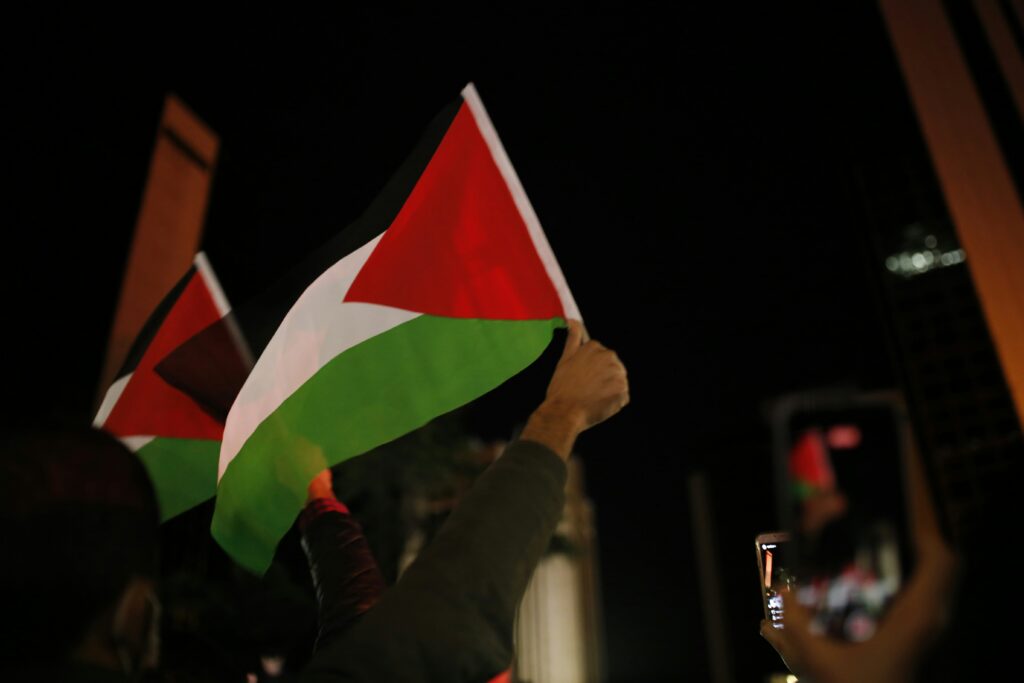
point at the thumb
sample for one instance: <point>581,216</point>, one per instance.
<point>573,339</point>
<point>791,641</point>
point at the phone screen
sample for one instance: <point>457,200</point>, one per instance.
<point>776,574</point>
<point>844,494</point>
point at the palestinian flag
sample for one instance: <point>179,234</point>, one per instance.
<point>176,435</point>
<point>810,467</point>
<point>445,288</point>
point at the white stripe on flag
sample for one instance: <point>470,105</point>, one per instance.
<point>212,283</point>
<point>110,400</point>
<point>135,443</point>
<point>223,307</point>
<point>318,328</point>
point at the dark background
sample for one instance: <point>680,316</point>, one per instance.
<point>704,175</point>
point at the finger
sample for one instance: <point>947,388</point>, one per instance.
<point>775,636</point>
<point>797,617</point>
<point>922,610</point>
<point>924,521</point>
<point>780,641</point>
<point>573,338</point>
<point>618,363</point>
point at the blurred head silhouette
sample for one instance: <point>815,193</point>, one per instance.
<point>79,556</point>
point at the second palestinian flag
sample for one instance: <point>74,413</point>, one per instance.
<point>177,434</point>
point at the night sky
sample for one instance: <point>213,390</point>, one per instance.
<point>698,173</point>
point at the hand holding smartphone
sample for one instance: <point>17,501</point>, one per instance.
<point>840,473</point>
<point>904,633</point>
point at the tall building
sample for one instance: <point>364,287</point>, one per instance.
<point>948,239</point>
<point>964,417</point>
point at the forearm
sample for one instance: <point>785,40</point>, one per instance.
<point>491,543</point>
<point>345,574</point>
<point>451,615</point>
<point>554,426</point>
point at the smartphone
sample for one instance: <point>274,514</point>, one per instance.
<point>774,570</point>
<point>840,462</point>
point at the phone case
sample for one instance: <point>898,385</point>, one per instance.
<point>773,573</point>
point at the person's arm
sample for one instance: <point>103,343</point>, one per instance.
<point>451,615</point>
<point>345,574</point>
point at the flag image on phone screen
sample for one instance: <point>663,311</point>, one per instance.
<point>843,482</point>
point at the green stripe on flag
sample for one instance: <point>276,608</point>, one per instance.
<point>183,472</point>
<point>372,393</point>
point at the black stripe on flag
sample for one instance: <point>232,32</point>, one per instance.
<point>156,319</point>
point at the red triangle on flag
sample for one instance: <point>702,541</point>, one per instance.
<point>150,406</point>
<point>459,246</point>
<point>809,462</point>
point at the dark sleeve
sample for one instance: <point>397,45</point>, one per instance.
<point>450,617</point>
<point>346,577</point>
